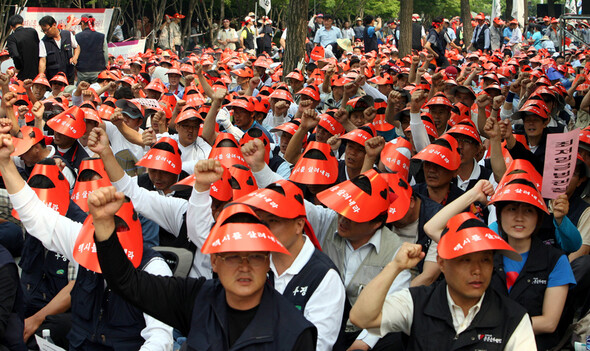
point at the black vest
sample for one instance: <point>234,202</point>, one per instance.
<point>58,58</point>
<point>276,159</point>
<point>432,326</point>
<point>370,42</point>
<point>484,173</point>
<point>439,48</point>
<point>303,285</point>
<point>577,205</point>
<point>101,317</point>
<point>249,41</point>
<point>529,288</point>
<point>91,57</point>
<point>44,272</point>
<point>480,41</point>
<point>428,209</point>
<point>167,238</point>
<point>416,36</point>
<point>14,323</point>
<point>275,327</point>
<point>74,156</point>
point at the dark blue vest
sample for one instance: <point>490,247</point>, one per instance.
<point>432,326</point>
<point>58,58</point>
<point>74,156</point>
<point>428,209</point>
<point>371,43</point>
<point>276,160</point>
<point>529,288</point>
<point>91,57</point>
<point>13,334</point>
<point>103,318</point>
<point>275,327</point>
<point>44,272</point>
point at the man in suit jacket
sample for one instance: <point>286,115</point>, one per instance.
<point>23,46</point>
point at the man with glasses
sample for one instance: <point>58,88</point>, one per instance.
<point>58,50</point>
<point>239,309</point>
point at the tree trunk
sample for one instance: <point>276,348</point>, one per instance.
<point>405,27</point>
<point>187,25</point>
<point>466,18</point>
<point>297,28</point>
<point>221,12</point>
<point>508,14</point>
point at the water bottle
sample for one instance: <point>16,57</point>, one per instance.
<point>588,342</point>
<point>46,333</point>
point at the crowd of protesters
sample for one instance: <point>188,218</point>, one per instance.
<point>366,200</point>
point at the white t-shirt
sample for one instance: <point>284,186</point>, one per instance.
<point>119,143</point>
<point>43,52</point>
<point>190,155</point>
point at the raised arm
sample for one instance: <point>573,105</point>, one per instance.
<point>480,192</point>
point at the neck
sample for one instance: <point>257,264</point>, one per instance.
<point>520,245</point>
<point>353,172</point>
<point>283,261</point>
<point>244,303</point>
<point>465,170</point>
<point>461,301</point>
<point>535,140</point>
<point>438,194</point>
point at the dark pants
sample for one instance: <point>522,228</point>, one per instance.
<point>59,325</point>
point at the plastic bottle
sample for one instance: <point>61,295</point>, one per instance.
<point>46,333</point>
<point>587,342</point>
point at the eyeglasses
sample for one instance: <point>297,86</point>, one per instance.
<point>188,126</point>
<point>254,260</point>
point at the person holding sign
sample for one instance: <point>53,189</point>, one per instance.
<point>540,278</point>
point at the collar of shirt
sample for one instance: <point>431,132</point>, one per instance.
<point>375,241</point>
<point>297,265</point>
<point>474,175</point>
<point>460,321</point>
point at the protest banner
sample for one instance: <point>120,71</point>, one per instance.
<point>560,161</point>
<point>127,48</point>
<point>32,15</point>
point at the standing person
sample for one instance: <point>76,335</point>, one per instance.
<point>58,50</point>
<point>347,32</point>
<point>164,40</point>
<point>515,35</point>
<point>481,35</point>
<point>175,33</point>
<point>418,33</point>
<point>118,35</point>
<point>370,35</point>
<point>328,35</point>
<point>265,34</point>
<point>436,44</point>
<point>226,37</point>
<point>496,34</point>
<point>359,29</point>
<point>23,47</point>
<point>93,51</point>
<point>248,35</point>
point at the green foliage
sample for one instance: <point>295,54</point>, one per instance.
<point>446,8</point>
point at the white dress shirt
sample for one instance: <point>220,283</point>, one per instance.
<point>326,306</point>
<point>191,154</point>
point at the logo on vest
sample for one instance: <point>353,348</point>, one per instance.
<point>489,338</point>
<point>300,290</point>
<point>538,281</point>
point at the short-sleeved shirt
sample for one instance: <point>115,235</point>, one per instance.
<point>43,51</point>
<point>560,275</point>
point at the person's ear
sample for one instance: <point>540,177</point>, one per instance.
<point>214,259</point>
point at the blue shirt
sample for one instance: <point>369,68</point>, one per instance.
<point>507,33</point>
<point>560,275</point>
<point>325,37</point>
<point>537,40</point>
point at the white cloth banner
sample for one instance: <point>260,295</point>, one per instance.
<point>127,48</point>
<point>570,6</point>
<point>265,4</point>
<point>32,15</point>
<point>496,9</point>
<point>518,12</point>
